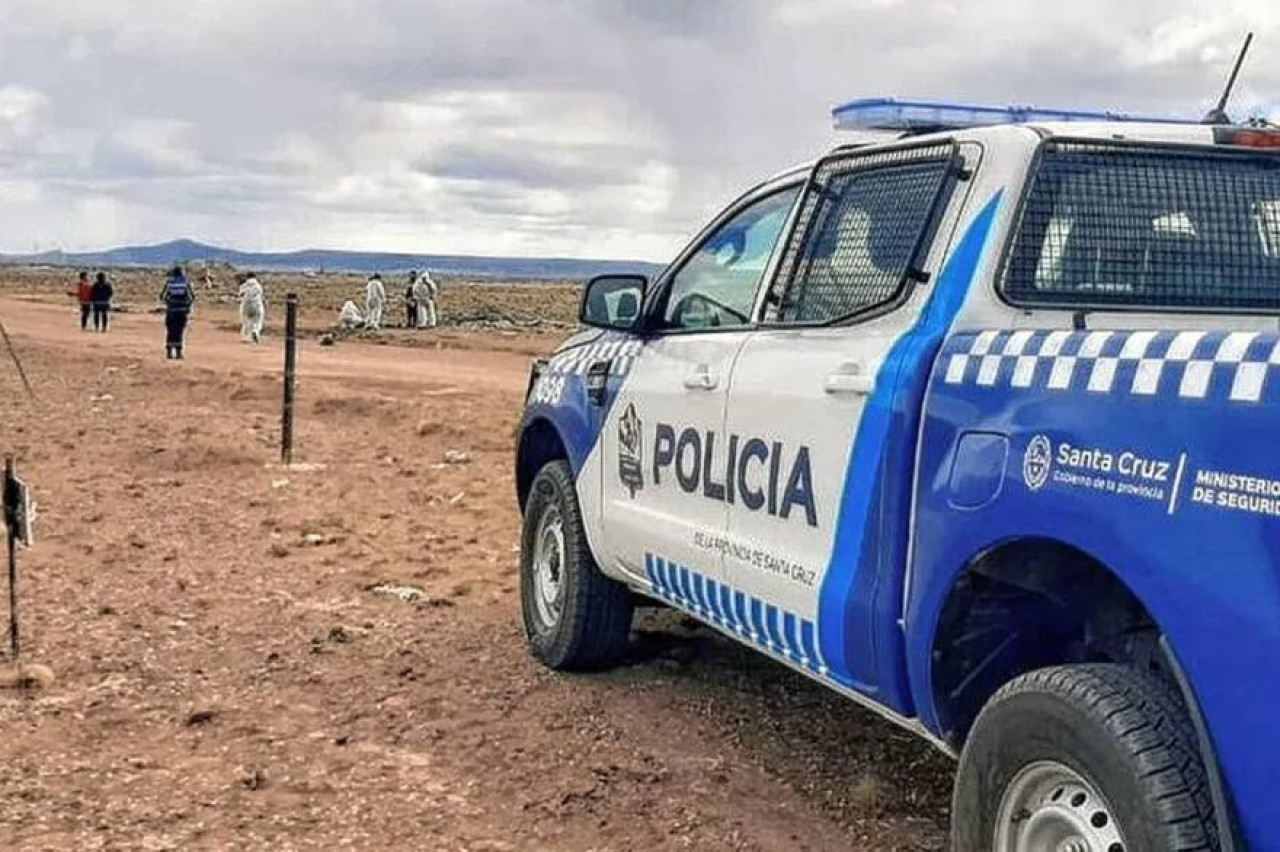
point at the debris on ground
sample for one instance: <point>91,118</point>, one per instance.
<point>254,779</point>
<point>406,594</point>
<point>204,716</point>
<point>29,676</point>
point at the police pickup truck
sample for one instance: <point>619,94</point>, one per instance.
<point>979,427</point>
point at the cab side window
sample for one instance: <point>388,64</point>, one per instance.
<point>860,230</point>
<point>717,286</point>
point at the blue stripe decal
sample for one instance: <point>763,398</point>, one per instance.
<point>807,641</point>
<point>771,622</point>
<point>726,606</point>
<point>838,641</point>
<point>699,588</point>
<point>789,634</point>
<point>713,600</point>
<point>664,572</point>
<point>686,588</point>
<point>757,621</point>
<point>772,628</point>
<point>740,607</point>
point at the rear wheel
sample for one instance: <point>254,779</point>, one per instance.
<point>1089,758</point>
<point>575,617</point>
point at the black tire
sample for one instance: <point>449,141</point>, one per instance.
<point>593,622</point>
<point>1126,733</point>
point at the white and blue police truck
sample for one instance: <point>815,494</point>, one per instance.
<point>979,427</point>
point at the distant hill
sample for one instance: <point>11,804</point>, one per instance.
<point>187,251</point>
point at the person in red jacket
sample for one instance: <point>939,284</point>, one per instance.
<point>84,292</point>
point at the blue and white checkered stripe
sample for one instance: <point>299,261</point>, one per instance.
<point>783,633</point>
<point>1186,364</point>
<point>621,352</point>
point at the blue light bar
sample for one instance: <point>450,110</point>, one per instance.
<point>924,116</point>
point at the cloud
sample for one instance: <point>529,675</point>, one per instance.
<point>566,127</point>
<point>21,110</point>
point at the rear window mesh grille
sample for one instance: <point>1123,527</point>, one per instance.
<point>861,225</point>
<point>1158,227</point>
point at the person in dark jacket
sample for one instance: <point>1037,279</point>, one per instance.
<point>410,304</point>
<point>178,297</point>
<point>100,295</point>
<point>84,295</point>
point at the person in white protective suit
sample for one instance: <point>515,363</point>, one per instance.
<point>425,291</point>
<point>253,309</point>
<point>350,318</point>
<point>375,300</point>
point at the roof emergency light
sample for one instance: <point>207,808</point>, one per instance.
<point>925,116</point>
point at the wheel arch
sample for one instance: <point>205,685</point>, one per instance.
<point>540,442</point>
<point>1027,603</point>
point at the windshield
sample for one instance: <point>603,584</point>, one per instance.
<point>1162,227</point>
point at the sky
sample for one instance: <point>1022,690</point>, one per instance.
<point>572,128</point>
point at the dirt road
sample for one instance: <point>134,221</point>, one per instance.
<point>229,677</point>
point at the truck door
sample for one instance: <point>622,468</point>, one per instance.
<point>810,534</point>
<point>662,444</point>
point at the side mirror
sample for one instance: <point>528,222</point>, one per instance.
<point>612,301</point>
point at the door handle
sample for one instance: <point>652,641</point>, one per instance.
<point>701,379</point>
<point>851,377</point>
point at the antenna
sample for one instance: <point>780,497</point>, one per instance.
<point>1218,115</point>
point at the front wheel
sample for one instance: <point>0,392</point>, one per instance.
<point>575,617</point>
<point>1088,758</point>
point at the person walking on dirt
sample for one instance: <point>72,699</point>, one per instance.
<point>178,299</point>
<point>100,295</point>
<point>84,295</point>
<point>253,309</point>
<point>410,304</point>
<point>375,299</point>
<point>425,292</point>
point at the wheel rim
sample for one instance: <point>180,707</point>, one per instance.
<point>1049,807</point>
<point>548,568</point>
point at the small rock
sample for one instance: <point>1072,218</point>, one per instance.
<point>27,677</point>
<point>456,457</point>
<point>279,483</point>
<point>200,717</point>
<point>327,339</point>
<point>278,550</point>
<point>407,594</point>
<point>254,779</point>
